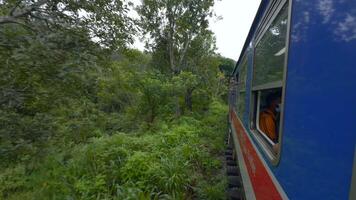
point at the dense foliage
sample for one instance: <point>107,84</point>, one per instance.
<point>84,117</point>
<point>175,160</point>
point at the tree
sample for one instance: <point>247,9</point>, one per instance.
<point>105,21</point>
<point>187,82</point>
<point>201,49</point>
<point>175,23</point>
<point>227,66</point>
<point>171,26</point>
<point>52,55</point>
<point>153,96</point>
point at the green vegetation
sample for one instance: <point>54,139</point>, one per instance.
<point>83,116</point>
<point>176,160</point>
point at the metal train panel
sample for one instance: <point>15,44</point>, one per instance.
<point>318,138</point>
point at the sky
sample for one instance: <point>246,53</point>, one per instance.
<point>230,31</point>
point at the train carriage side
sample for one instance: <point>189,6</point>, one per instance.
<point>292,108</point>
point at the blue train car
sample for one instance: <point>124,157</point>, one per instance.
<point>293,101</point>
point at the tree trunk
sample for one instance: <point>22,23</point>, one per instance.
<point>188,99</point>
<point>174,68</point>
<point>178,109</point>
<point>152,115</point>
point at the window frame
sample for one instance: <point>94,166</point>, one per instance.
<point>272,11</point>
<point>258,119</point>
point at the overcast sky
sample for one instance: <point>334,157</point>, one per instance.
<point>231,31</point>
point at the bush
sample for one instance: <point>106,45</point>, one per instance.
<point>174,160</point>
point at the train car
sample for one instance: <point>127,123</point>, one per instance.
<point>292,101</point>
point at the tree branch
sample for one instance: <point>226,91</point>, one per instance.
<point>185,48</point>
<point>14,8</point>
<point>11,20</point>
<point>43,19</point>
<point>26,11</point>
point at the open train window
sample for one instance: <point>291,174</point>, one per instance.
<point>268,79</point>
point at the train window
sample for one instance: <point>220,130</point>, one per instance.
<point>242,87</point>
<point>243,73</point>
<point>267,82</point>
<point>233,91</point>
<point>270,52</point>
<point>240,108</point>
<point>267,113</point>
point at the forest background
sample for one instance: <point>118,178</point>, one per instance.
<point>83,116</point>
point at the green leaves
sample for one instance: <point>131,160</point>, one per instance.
<point>106,21</point>
<point>12,179</point>
<point>173,25</point>
<point>177,161</point>
<point>85,118</point>
<point>185,81</point>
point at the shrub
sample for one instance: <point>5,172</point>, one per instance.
<point>173,160</point>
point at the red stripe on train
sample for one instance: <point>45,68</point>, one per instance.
<point>262,183</point>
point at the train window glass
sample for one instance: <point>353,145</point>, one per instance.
<point>241,104</point>
<point>233,91</point>
<point>243,73</point>
<point>267,83</point>
<point>270,51</point>
<point>240,108</point>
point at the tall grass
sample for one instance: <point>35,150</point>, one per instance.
<point>180,159</point>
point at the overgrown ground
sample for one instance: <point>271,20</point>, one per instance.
<point>172,160</point>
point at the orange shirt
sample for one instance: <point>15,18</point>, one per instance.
<point>268,124</point>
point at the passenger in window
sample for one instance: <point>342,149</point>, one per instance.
<point>269,117</point>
